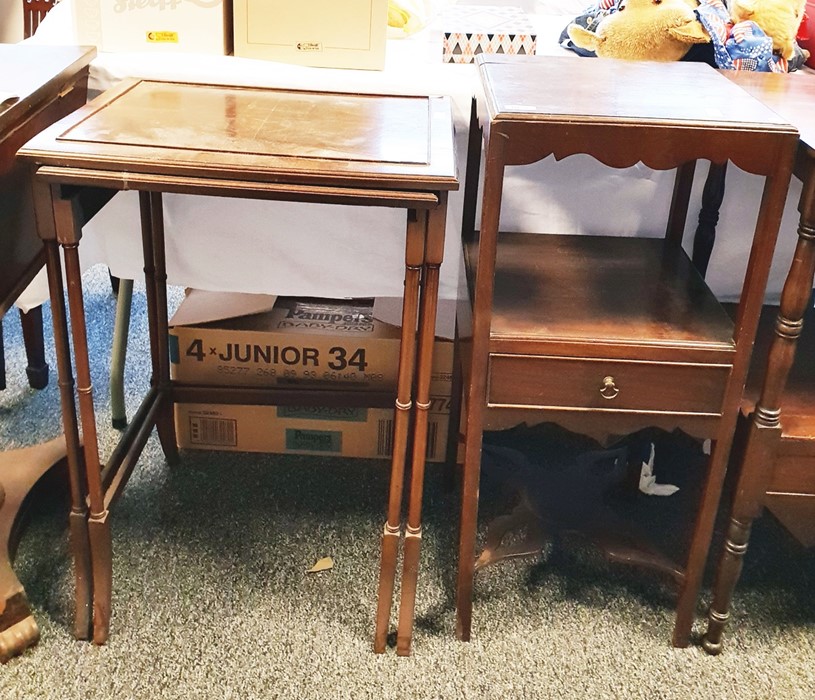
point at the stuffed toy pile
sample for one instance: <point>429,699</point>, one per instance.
<point>754,35</point>
<point>642,30</point>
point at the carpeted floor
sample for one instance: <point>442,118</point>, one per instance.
<point>212,600</point>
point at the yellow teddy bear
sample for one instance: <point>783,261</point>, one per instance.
<point>652,30</point>
<point>780,20</point>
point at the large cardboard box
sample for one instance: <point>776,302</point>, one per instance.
<point>469,30</point>
<point>232,339</point>
<point>194,26</point>
<point>227,339</point>
<point>322,33</point>
<point>347,432</point>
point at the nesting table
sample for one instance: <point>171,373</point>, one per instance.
<point>609,335</point>
<point>303,146</point>
<point>776,465</point>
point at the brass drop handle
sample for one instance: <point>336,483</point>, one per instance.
<point>610,389</point>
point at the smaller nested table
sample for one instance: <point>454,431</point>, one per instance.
<point>612,334</point>
<point>320,147</point>
<point>776,466</point>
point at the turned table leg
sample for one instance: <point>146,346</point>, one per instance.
<point>712,198</point>
<point>434,253</point>
<point>765,423</point>
<point>37,369</point>
<point>414,258</point>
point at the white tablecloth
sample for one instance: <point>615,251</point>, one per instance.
<point>324,250</point>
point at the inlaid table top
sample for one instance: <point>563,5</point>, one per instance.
<point>268,135</point>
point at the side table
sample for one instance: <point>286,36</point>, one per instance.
<point>327,148</point>
<point>602,334</point>
<point>48,83</point>
<point>779,425</point>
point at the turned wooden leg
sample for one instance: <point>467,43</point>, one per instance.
<point>712,198</point>
<point>745,327</point>
<point>414,257</point>
<point>765,423</point>
<point>94,538</point>
<point>37,369</point>
<point>730,565</point>
<point>434,253</point>
<point>764,432</point>
<point>78,516</point>
<point>155,277</point>
<point>99,534</point>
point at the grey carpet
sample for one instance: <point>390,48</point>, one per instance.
<point>211,598</point>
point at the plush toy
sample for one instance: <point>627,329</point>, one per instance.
<point>669,30</point>
<point>780,19</point>
<point>652,30</point>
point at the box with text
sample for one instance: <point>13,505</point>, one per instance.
<point>190,26</point>
<point>322,33</point>
<point>227,339</point>
<point>336,431</point>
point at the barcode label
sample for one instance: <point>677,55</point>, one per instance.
<point>432,438</point>
<point>218,432</point>
<point>384,438</point>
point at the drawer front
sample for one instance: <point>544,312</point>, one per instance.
<point>629,385</point>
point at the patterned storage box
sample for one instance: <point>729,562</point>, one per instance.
<point>469,30</point>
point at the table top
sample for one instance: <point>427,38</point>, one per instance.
<point>792,96</point>
<point>661,113</point>
<point>618,91</point>
<point>263,134</point>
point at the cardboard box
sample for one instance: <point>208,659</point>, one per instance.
<point>347,432</point>
<point>469,30</point>
<point>190,26</point>
<point>228,339</point>
<point>323,33</point>
<point>231,339</point>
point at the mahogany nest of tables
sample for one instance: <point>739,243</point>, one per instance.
<point>302,146</point>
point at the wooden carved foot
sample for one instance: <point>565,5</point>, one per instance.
<point>522,517</point>
<point>20,470</point>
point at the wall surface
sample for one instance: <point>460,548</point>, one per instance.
<point>11,21</point>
